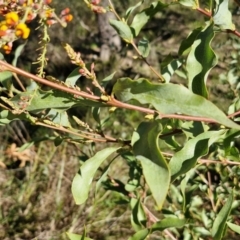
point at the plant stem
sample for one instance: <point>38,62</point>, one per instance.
<point>111,101</point>
<point>209,14</point>
<point>145,60</point>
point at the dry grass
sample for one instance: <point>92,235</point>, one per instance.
<point>37,203</point>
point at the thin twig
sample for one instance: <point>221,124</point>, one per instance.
<point>19,82</point>
<point>135,47</point>
<point>208,161</point>
<point>210,192</point>
<point>145,60</point>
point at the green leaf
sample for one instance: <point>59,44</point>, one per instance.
<point>144,47</point>
<point>4,118</point>
<point>187,194</point>
<point>1,56</point>
<point>103,177</point>
<point>222,16</point>
<point>189,3</point>
<point>73,77</point>
<point>142,18</point>
<point>155,168</point>
<point>140,235</point>
<point>188,42</point>
<point>6,79</point>
<point>73,236</point>
<point>219,224</point>
<point>123,30</point>
<point>168,67</point>
<point>96,114</point>
<point>138,217</point>
<point>200,61</point>
<point>170,99</point>
<point>169,222</point>
<point>107,79</point>
<point>40,100</point>
<point>59,117</point>
<point>234,227</point>
<point>195,148</point>
<point>17,53</point>
<point>131,9</point>
<point>82,181</point>
<point>193,129</point>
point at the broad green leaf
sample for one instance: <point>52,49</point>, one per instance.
<point>189,3</point>
<point>222,16</point>
<point>140,235</point>
<point>123,30</point>
<point>144,47</point>
<point>234,227</point>
<point>73,77</point>
<point>155,168</point>
<point>169,222</point>
<point>188,42</point>
<point>195,148</point>
<point>219,224</point>
<point>131,9</point>
<point>74,236</point>
<point>170,99</point>
<point>142,18</point>
<point>200,61</point>
<point>168,67</point>
<point>82,181</point>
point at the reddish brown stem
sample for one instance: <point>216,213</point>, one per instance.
<point>111,102</point>
<point>209,14</point>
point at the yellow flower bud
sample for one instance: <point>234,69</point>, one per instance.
<point>11,18</point>
<point>22,30</point>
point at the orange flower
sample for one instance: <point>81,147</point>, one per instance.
<point>22,30</point>
<point>7,48</point>
<point>68,18</point>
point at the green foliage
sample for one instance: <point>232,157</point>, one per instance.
<point>82,181</point>
<point>182,159</point>
<point>155,167</point>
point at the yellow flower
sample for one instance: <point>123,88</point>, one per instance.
<point>22,30</point>
<point>3,30</point>
<point>3,27</point>
<point>7,48</point>
<point>11,18</point>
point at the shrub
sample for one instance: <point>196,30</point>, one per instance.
<point>182,154</point>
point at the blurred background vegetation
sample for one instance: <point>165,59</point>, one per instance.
<point>35,186</point>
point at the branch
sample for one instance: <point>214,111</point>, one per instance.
<point>208,161</point>
<point>110,102</point>
<point>209,14</point>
